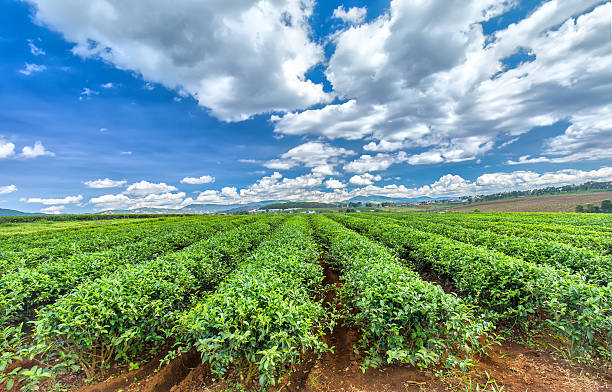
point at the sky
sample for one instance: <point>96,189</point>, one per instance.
<point>108,104</point>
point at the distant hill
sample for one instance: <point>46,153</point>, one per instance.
<point>380,199</point>
<point>211,208</point>
<point>193,209</point>
<point>296,204</point>
<point>7,212</point>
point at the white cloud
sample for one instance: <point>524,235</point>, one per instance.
<point>332,183</point>
<point>325,170</point>
<point>144,188</point>
<point>589,137</point>
<point>347,121</point>
<point>310,187</point>
<point>457,150</point>
<point>165,200</point>
<point>322,157</point>
<point>50,202</point>
<point>527,159</point>
<point>105,183</point>
<point>280,164</point>
<point>38,150</point>
<point>531,180</point>
<point>153,200</point>
<point>456,95</point>
<point>107,85</point>
<point>7,149</point>
<point>354,15</point>
<point>509,142</point>
<point>53,210</point>
<point>106,202</point>
<point>125,153</point>
<point>103,129</point>
<point>272,187</point>
<point>198,180</point>
<point>35,50</point>
<point>192,46</point>
<point>364,179</point>
<point>8,189</point>
<point>87,93</point>
<point>383,146</point>
<point>451,185</point>
<point>29,69</point>
<point>424,158</point>
<point>367,163</point>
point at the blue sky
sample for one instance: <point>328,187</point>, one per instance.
<point>110,104</point>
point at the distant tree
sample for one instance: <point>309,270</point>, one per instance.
<point>476,210</point>
<point>590,207</point>
<point>579,208</point>
<point>606,206</point>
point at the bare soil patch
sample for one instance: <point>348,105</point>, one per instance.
<point>551,203</point>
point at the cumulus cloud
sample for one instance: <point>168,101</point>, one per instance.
<point>142,194</point>
<point>353,15</point>
<point>325,170</point>
<point>531,180</point>
<point>323,157</point>
<point>309,187</point>
<point>364,179</point>
<point>367,163</point>
<point>105,183</point>
<point>332,183</point>
<point>111,201</point>
<point>53,210</point>
<point>192,46</point>
<point>280,164</point>
<point>7,149</point>
<point>51,202</point>
<point>29,69</point>
<point>458,93</point>
<point>314,187</point>
<point>198,180</point>
<point>272,187</point>
<point>347,121</point>
<point>144,188</point>
<point>123,201</point>
<point>7,189</point>
<point>38,150</point>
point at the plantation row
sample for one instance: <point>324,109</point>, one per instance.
<point>600,242</point>
<point>590,221</point>
<point>594,267</point>
<point>247,293</point>
<point>511,292</point>
<point>28,249</point>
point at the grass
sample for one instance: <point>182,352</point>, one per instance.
<point>38,226</point>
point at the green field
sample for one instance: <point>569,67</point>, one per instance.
<point>46,225</point>
<point>258,299</point>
